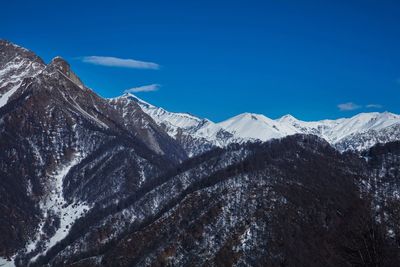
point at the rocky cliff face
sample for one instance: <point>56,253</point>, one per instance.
<point>86,181</point>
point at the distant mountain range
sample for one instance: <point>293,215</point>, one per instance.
<point>356,133</point>
<point>88,181</point>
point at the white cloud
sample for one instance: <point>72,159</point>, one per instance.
<point>120,62</point>
<point>374,106</point>
<point>348,106</point>
<point>144,88</point>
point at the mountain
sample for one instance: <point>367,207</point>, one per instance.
<point>356,133</point>
<point>88,181</point>
<point>65,149</point>
<point>250,126</point>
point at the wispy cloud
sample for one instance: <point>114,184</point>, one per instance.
<point>352,106</point>
<point>374,106</point>
<point>144,88</point>
<point>120,62</point>
<point>348,106</point>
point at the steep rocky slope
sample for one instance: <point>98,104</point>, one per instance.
<point>63,149</point>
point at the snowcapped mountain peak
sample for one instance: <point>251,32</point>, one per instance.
<point>287,118</point>
<point>361,123</point>
<point>252,116</point>
<point>140,101</point>
<point>253,126</point>
<point>386,115</point>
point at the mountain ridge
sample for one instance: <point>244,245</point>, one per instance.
<point>363,129</point>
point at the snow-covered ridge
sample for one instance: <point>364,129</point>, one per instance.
<point>249,126</point>
<point>178,123</point>
<point>178,120</point>
<point>257,126</point>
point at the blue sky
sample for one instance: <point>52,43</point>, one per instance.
<point>215,59</point>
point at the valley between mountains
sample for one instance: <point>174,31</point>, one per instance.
<point>89,181</point>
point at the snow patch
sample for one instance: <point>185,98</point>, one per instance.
<point>6,263</point>
<point>4,98</point>
<point>55,204</point>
